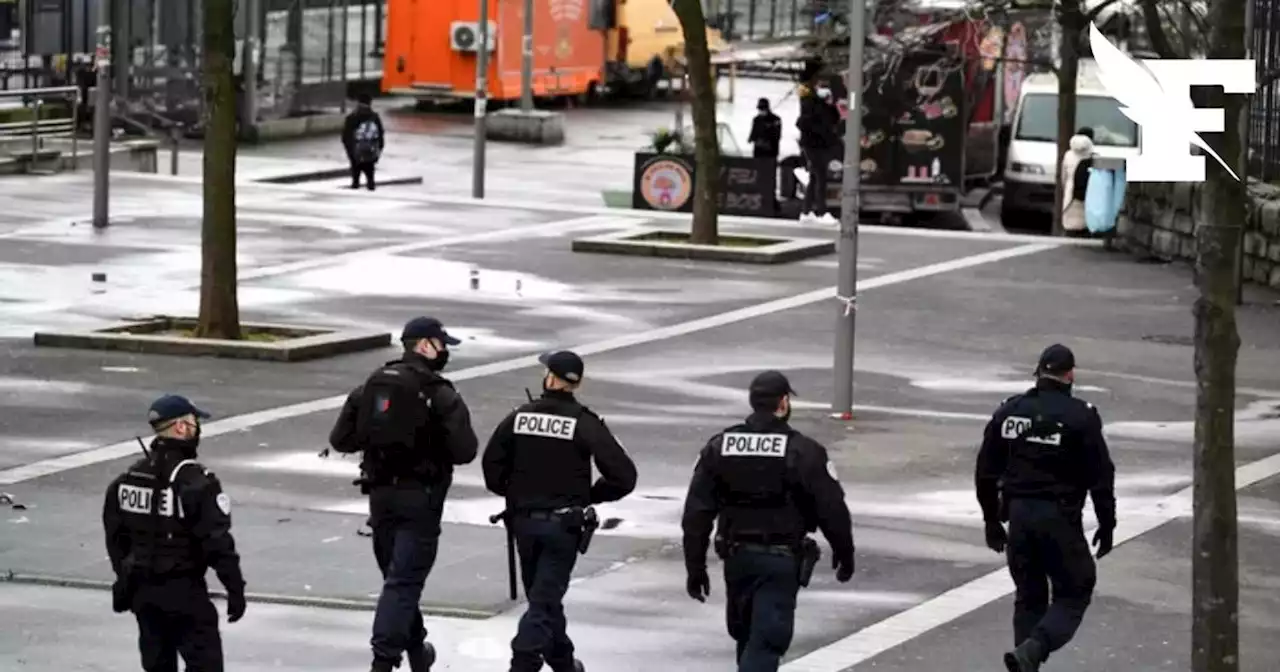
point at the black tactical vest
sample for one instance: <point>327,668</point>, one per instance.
<point>151,511</point>
<point>753,469</point>
<point>546,456</point>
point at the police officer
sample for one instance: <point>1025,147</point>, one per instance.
<point>766,486</point>
<point>167,521</point>
<point>1042,451</point>
<point>540,458</point>
<point>412,428</point>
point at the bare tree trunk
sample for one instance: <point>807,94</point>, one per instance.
<point>1214,565</point>
<point>707,145</point>
<point>1071,21</point>
<point>219,309</point>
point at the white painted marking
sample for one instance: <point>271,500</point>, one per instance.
<point>330,540</point>
<point>904,626</point>
<point>998,386</point>
<point>651,215</point>
<point>249,420</point>
<point>121,369</point>
<point>1174,383</point>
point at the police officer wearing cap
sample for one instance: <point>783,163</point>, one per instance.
<point>539,458</point>
<point>1041,452</point>
<point>412,428</point>
<point>765,486</point>
<point>167,521</point>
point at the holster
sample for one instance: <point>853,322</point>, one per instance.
<point>585,522</point>
<point>810,553</point>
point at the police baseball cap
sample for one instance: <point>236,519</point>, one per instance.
<point>565,364</point>
<point>1056,359</point>
<point>770,385</point>
<point>426,327</point>
<point>171,407</point>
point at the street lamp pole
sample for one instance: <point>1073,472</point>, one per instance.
<point>850,204</point>
<point>482,89</point>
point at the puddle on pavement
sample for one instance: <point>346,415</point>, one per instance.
<point>422,276</point>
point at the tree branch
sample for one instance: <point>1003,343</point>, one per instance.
<point>1093,13</point>
<point>1268,78</point>
<point>1155,30</point>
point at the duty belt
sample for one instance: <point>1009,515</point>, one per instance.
<point>771,549</point>
<point>546,514</point>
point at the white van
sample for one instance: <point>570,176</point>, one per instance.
<point>1030,167</point>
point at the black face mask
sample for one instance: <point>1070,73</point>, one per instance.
<point>441,361</point>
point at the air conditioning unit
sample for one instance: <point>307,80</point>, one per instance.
<point>465,35</point>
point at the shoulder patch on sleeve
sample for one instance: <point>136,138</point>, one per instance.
<point>224,503</point>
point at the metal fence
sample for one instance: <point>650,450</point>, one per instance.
<point>759,20</point>
<point>309,52</point>
<point>1264,116</point>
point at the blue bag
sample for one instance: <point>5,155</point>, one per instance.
<point>1097,201</point>
<point>1118,185</point>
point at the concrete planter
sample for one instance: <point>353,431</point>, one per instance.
<point>738,248</point>
<point>276,342</point>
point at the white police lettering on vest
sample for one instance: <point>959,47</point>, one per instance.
<point>754,445</point>
<point>546,425</point>
<point>134,499</point>
<point>1014,427</point>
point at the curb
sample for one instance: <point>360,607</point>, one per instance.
<point>428,609</point>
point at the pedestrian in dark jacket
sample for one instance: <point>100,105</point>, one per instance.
<point>766,132</point>
<point>819,122</point>
<point>363,138</point>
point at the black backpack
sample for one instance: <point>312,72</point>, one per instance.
<point>394,407</point>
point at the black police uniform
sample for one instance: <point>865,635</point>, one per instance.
<point>764,485</point>
<point>540,458</point>
<point>407,491</point>
<point>1042,451</point>
<point>167,521</point>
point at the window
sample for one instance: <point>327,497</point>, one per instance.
<point>1039,120</point>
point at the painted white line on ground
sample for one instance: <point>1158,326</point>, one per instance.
<point>1254,391</point>
<point>248,420</point>
<point>651,215</point>
<point>904,626</point>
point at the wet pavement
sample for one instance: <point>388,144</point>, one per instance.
<point>949,324</point>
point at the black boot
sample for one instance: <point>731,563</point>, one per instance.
<point>382,665</point>
<point>421,659</point>
<point>1026,658</point>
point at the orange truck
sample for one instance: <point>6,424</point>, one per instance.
<point>580,47</point>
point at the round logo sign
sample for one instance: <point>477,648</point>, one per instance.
<point>666,184</point>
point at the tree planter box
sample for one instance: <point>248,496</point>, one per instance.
<point>736,248</point>
<point>172,336</point>
<point>748,186</point>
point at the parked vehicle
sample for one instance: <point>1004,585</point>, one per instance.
<point>580,48</point>
<point>1031,166</point>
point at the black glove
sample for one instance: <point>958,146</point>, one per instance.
<point>996,537</point>
<point>698,584</point>
<point>1103,539</point>
<point>120,598</point>
<point>843,564</point>
<point>235,607</point>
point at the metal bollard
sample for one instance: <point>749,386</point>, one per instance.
<point>35,133</point>
<point>173,155</point>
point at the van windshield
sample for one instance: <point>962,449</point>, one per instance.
<point>1039,120</point>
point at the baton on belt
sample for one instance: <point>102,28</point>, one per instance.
<point>511,553</point>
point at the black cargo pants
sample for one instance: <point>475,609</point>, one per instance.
<point>175,617</point>
<point>761,588</point>
<point>1047,550</point>
<point>405,518</point>
<point>548,550</point>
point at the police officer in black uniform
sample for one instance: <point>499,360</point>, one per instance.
<point>412,428</point>
<point>766,486</point>
<point>540,458</point>
<point>167,521</point>
<point>1041,452</point>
